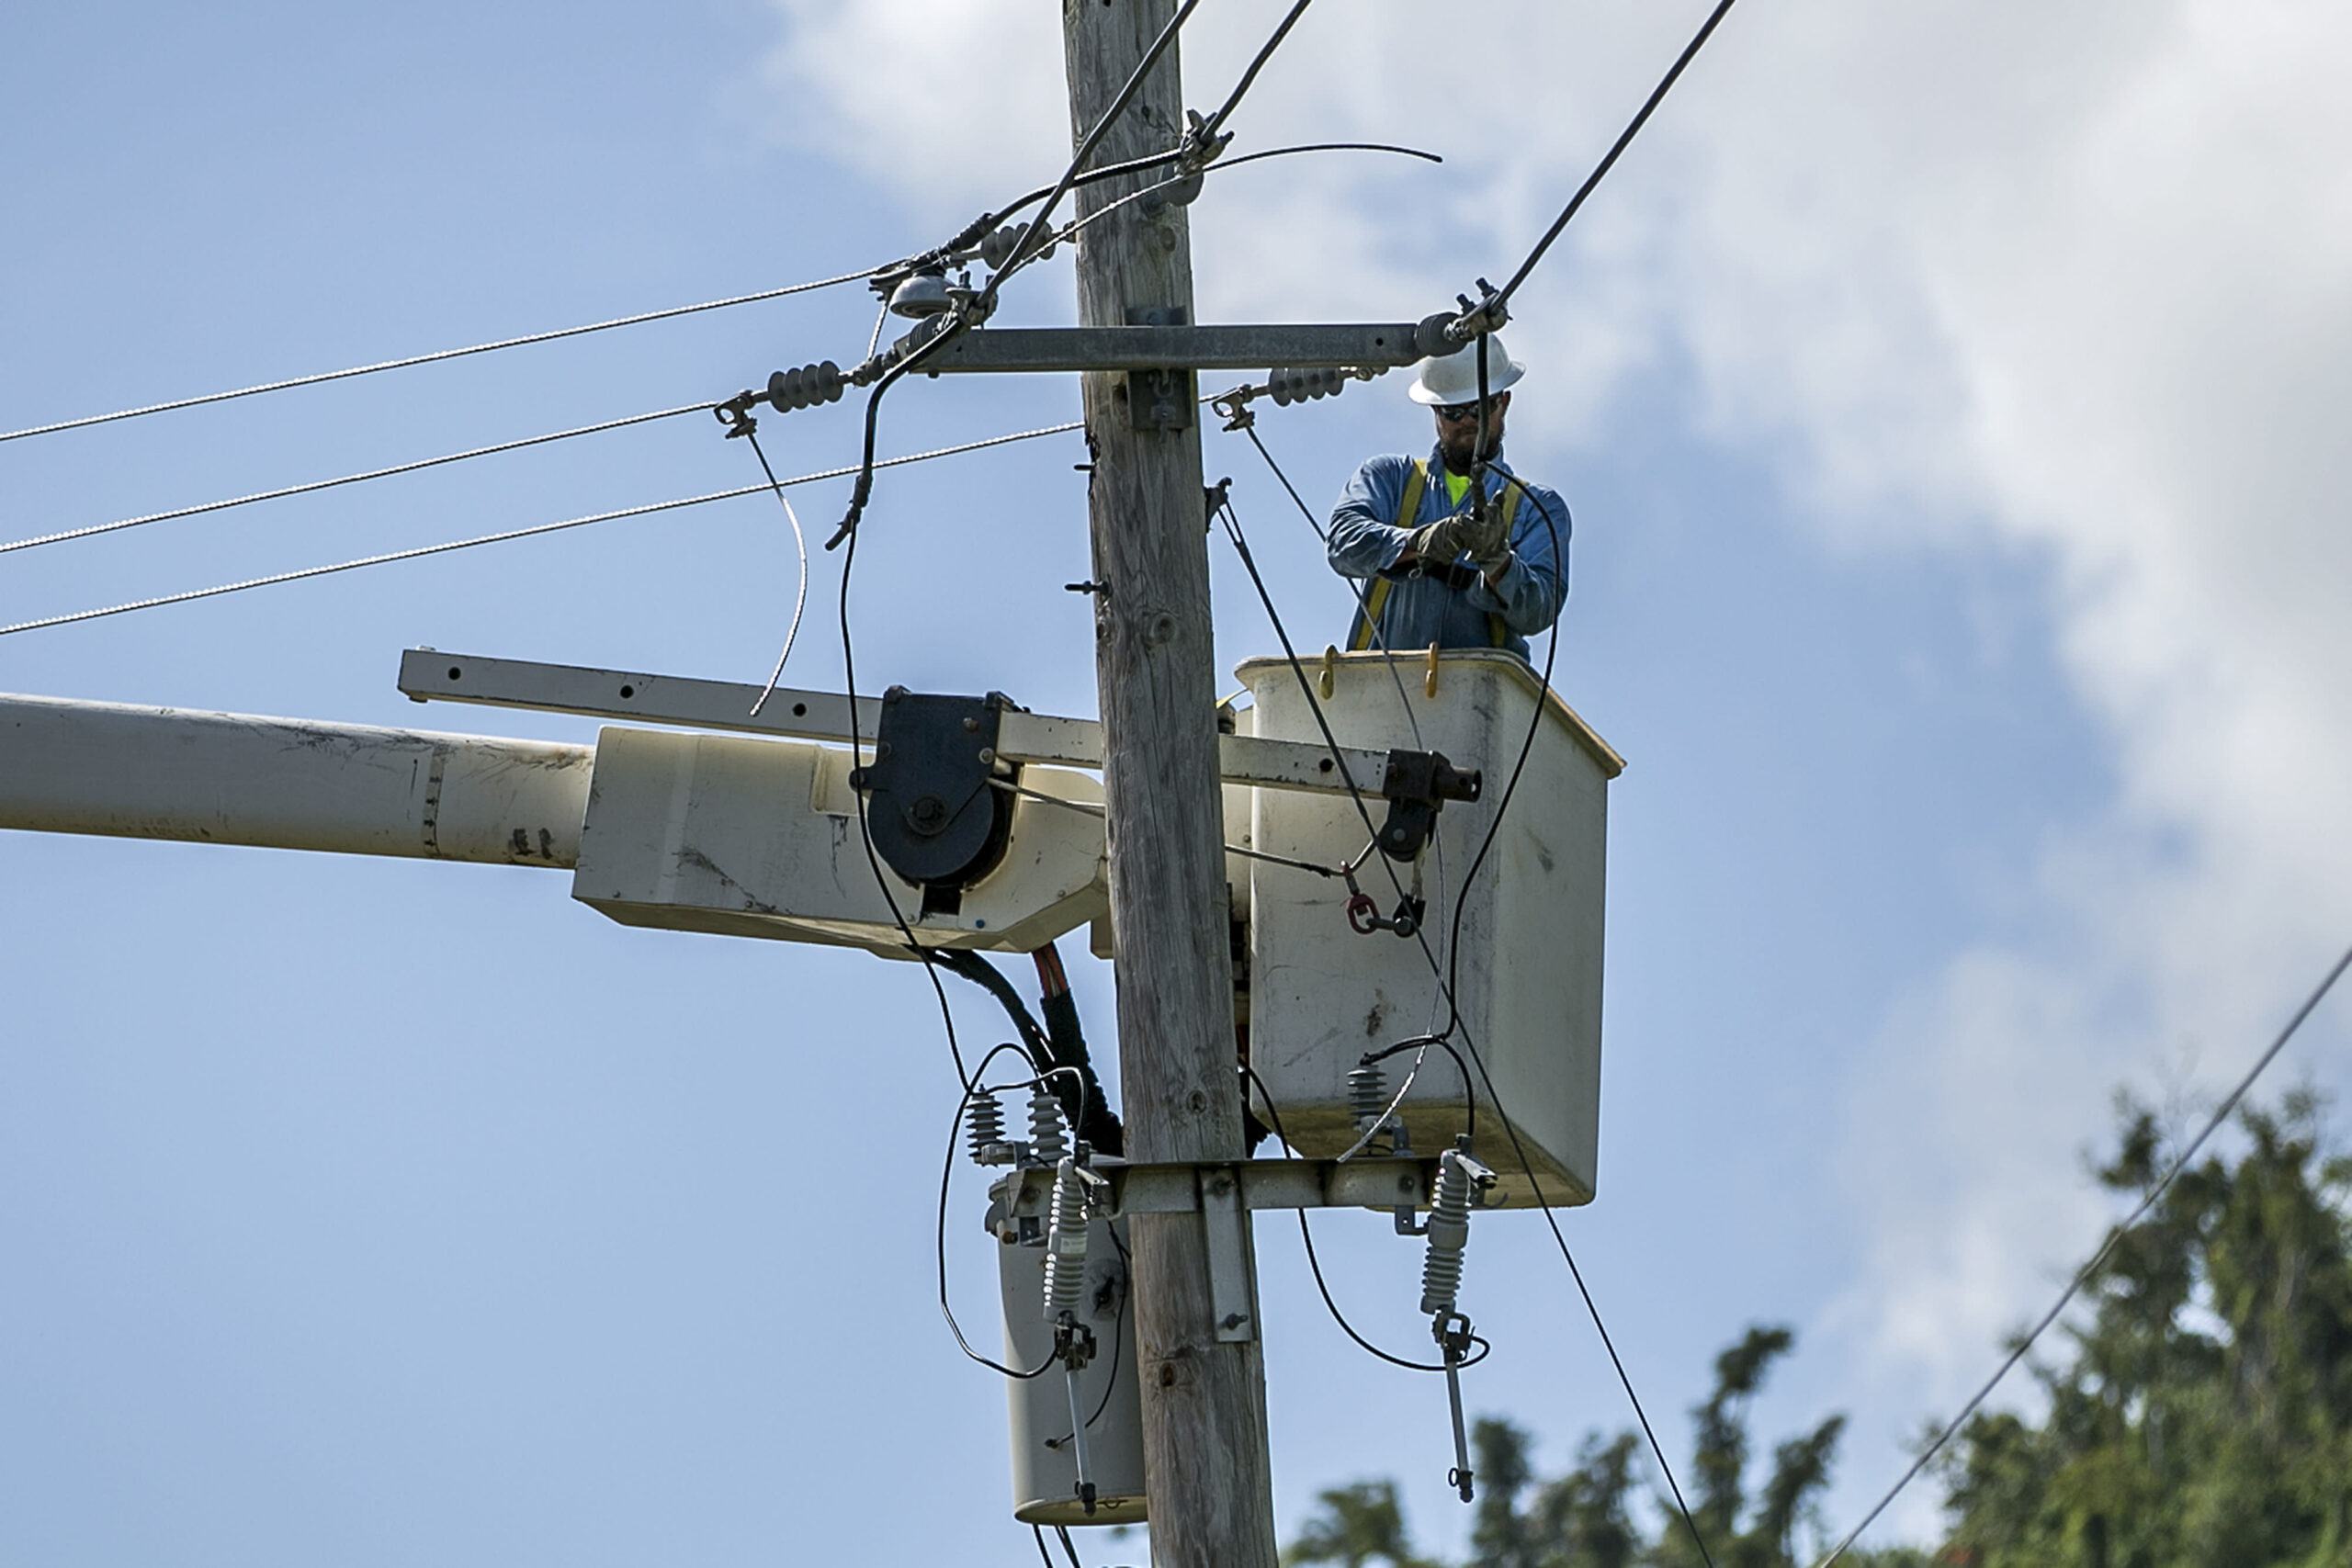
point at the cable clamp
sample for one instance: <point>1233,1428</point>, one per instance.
<point>1488,314</point>
<point>735,414</point>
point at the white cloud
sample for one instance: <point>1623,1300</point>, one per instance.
<point>2072,281</point>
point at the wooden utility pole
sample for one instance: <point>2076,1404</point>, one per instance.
<point>1208,1478</point>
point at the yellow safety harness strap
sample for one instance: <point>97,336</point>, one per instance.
<point>1408,509</point>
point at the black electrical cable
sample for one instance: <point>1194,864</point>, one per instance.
<point>981,972</point>
<point>1037,237</point>
<point>1046,1556</point>
<point>63,535</point>
<point>1624,141</point>
<point>1216,122</point>
<point>1535,1190</point>
<point>972,1089</point>
<point>1080,225</point>
<point>313,380</point>
<point>1526,747</point>
<point>2115,1234</point>
<point>1321,533</point>
<point>1035,240</point>
<point>873,860</point>
<point>1241,542</point>
<point>1454,1024</point>
<point>1315,1264</point>
<point>1421,1042</point>
<point>1089,1113</point>
<point>1118,1323</point>
<point>1069,1549</point>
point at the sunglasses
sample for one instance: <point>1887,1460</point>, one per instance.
<point>1453,413</point>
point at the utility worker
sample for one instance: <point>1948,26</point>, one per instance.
<point>1435,570</point>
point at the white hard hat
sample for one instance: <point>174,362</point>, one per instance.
<point>1455,378</point>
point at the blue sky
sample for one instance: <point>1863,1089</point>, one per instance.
<point>1950,408</point>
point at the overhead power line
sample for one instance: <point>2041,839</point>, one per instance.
<point>1624,139</point>
<point>2115,1234</point>
<point>436,355</point>
<point>390,556</point>
<point>97,528</point>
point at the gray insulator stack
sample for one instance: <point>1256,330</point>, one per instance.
<point>1299,384</point>
<point>1368,1099</point>
<point>1449,1233</point>
<point>984,1130</point>
<point>805,386</point>
<point>1066,1244</point>
<point>997,249</point>
<point>1048,1142</point>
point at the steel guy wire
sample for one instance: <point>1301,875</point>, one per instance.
<point>313,380</point>
<point>2115,1234</point>
<point>1624,139</point>
<point>63,535</point>
<point>390,556</point>
<point>800,544</point>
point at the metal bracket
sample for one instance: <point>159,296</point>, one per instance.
<point>1176,1189</point>
<point>427,675</point>
<point>1233,1287</point>
<point>1160,397</point>
<point>1143,345</point>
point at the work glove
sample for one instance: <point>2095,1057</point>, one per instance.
<point>1485,542</point>
<point>1488,543</point>
<point>1441,541</point>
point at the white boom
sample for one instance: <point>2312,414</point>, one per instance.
<point>221,778</point>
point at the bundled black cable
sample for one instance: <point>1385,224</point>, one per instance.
<point>1060,1043</point>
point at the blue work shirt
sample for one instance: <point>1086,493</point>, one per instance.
<point>1421,609</point>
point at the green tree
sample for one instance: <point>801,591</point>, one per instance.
<point>1357,1524</point>
<point>1587,1518</point>
<point>2198,1410</point>
<point>2202,1410</point>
